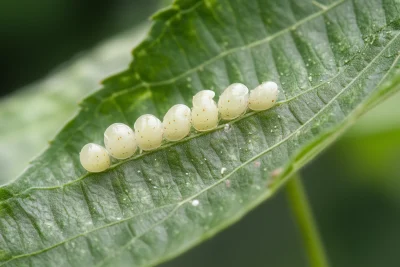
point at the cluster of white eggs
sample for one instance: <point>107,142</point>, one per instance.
<point>121,142</point>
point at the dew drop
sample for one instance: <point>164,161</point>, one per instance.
<point>223,169</point>
<point>227,127</point>
<point>195,202</point>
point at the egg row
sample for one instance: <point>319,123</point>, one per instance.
<point>121,141</point>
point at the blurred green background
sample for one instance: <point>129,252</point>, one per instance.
<point>354,186</point>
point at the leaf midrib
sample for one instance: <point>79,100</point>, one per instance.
<point>179,204</point>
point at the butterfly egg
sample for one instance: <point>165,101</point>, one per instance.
<point>148,132</point>
<point>120,141</point>
<point>94,158</point>
<point>263,96</point>
<point>204,111</point>
<point>233,101</point>
<point>177,122</point>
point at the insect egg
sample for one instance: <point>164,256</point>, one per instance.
<point>94,158</point>
<point>263,96</point>
<point>177,122</point>
<point>204,111</point>
<point>149,132</point>
<point>120,141</point>
<point>233,101</point>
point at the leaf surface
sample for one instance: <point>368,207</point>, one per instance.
<point>333,60</point>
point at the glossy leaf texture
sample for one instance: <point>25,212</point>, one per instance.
<point>333,60</point>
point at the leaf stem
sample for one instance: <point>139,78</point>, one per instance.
<point>303,216</point>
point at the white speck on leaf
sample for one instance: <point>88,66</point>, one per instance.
<point>276,172</point>
<point>227,127</point>
<point>195,202</point>
<point>223,169</point>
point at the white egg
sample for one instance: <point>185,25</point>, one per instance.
<point>233,101</point>
<point>120,141</point>
<point>204,97</point>
<point>204,111</point>
<point>263,96</point>
<point>94,158</point>
<point>148,132</point>
<point>177,122</point>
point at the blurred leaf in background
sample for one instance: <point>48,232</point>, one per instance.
<point>31,117</point>
<point>36,36</point>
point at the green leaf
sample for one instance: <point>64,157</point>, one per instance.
<point>33,115</point>
<point>332,60</point>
